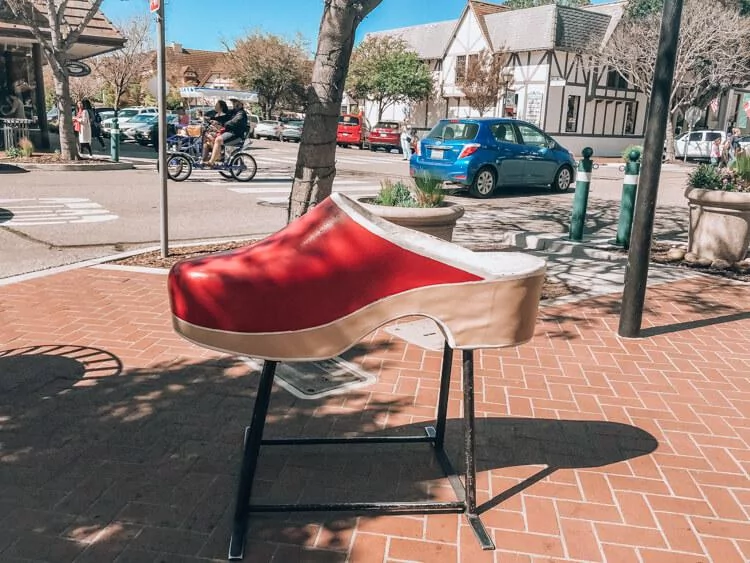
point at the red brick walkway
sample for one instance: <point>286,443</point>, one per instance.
<point>122,443</point>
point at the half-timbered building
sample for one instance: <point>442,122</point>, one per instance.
<point>555,83</point>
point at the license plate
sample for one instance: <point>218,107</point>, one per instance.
<point>437,154</point>
<point>383,135</point>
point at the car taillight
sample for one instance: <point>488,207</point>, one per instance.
<point>468,150</point>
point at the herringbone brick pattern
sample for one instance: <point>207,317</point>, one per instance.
<point>119,441</point>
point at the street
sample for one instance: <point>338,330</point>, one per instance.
<point>54,218</point>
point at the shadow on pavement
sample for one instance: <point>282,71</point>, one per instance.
<point>11,169</point>
<point>92,451</point>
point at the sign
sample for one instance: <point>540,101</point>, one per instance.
<point>78,69</point>
<point>154,5</point>
<point>693,115</point>
<point>534,107</point>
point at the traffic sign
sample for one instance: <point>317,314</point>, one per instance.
<point>155,5</point>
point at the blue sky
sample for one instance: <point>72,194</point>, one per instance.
<point>199,24</point>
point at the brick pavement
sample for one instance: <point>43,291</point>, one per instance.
<point>120,442</point>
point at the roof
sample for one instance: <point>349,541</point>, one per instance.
<point>203,63</point>
<point>427,40</point>
<point>98,33</point>
<point>554,27</point>
<point>511,30</point>
<point>578,29</point>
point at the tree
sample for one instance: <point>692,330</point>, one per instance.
<point>269,65</point>
<point>127,66</point>
<point>49,25</point>
<point>713,55</point>
<point>383,70</point>
<point>316,159</point>
<point>485,79</point>
<point>518,4</point>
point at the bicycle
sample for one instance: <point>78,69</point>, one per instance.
<point>235,161</point>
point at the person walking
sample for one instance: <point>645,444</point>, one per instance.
<point>716,152</point>
<point>83,119</point>
<point>405,142</point>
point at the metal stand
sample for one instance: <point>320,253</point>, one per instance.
<point>465,493</point>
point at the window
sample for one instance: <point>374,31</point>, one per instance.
<point>695,137</point>
<point>713,136</point>
<point>571,118</point>
<point>533,137</point>
<point>503,132</point>
<point>616,80</point>
<point>629,118</point>
<point>460,69</point>
<point>348,120</point>
<point>454,129</point>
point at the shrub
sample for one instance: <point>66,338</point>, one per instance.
<point>705,177</point>
<point>395,194</point>
<point>26,147</point>
<point>429,192</point>
<point>13,152</point>
<point>734,179</point>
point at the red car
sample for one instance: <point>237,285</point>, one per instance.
<point>352,130</point>
<point>385,135</point>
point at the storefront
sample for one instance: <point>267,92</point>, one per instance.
<point>22,97</point>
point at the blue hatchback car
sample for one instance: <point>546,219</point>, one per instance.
<point>485,153</point>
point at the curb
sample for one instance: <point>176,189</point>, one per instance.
<point>76,167</point>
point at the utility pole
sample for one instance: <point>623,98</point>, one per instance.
<point>161,51</point>
<point>639,255</point>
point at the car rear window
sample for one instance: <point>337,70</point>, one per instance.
<point>348,120</point>
<point>458,130</point>
<point>386,125</point>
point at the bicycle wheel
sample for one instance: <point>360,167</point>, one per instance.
<point>226,174</point>
<point>179,167</point>
<point>243,166</point>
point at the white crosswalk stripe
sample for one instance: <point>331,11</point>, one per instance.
<point>25,212</point>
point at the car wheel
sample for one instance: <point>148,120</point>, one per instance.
<point>373,149</point>
<point>563,179</point>
<point>484,183</point>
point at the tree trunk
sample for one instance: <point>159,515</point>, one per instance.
<point>670,138</point>
<point>380,110</point>
<point>68,145</point>
<point>316,159</point>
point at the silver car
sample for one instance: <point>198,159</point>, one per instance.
<point>268,129</point>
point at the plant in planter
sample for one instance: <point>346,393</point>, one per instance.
<point>719,201</point>
<point>421,206</point>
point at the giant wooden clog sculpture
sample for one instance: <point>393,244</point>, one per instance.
<point>315,288</point>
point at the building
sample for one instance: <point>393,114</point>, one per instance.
<point>195,68</point>
<point>21,80</point>
<point>555,81</point>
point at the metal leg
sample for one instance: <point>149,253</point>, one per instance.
<point>445,384</point>
<point>470,463</point>
<point>253,437</point>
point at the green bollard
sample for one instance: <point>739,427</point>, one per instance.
<point>114,140</point>
<point>627,205</point>
<point>581,199</point>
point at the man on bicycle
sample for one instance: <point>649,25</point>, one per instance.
<point>235,128</point>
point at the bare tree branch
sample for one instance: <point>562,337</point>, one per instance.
<point>485,79</point>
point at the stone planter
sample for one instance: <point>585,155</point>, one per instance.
<point>719,224</point>
<point>436,221</point>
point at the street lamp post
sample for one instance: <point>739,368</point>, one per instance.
<point>158,6</point>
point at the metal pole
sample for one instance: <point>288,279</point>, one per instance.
<point>636,276</point>
<point>580,201</point>
<point>687,143</point>
<point>161,154</point>
<point>627,202</point>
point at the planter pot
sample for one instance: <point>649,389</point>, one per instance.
<point>436,221</point>
<point>719,224</point>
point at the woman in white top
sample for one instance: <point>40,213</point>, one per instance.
<point>84,118</point>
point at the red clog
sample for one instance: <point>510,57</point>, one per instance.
<point>315,288</point>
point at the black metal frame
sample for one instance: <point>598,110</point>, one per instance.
<point>466,501</point>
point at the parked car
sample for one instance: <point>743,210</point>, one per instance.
<point>352,130</point>
<point>252,123</point>
<point>129,128</point>
<point>745,142</point>
<point>268,129</point>
<point>385,135</point>
<point>292,131</point>
<point>482,154</point>
<point>697,144</point>
<point>144,133</point>
<point>124,115</point>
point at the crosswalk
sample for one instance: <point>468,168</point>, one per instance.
<point>276,156</point>
<point>27,212</point>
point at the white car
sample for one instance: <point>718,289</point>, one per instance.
<point>269,130</point>
<point>697,144</point>
<point>124,116</point>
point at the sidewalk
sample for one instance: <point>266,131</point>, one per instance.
<point>119,441</point>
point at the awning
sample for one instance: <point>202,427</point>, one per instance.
<point>214,94</point>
